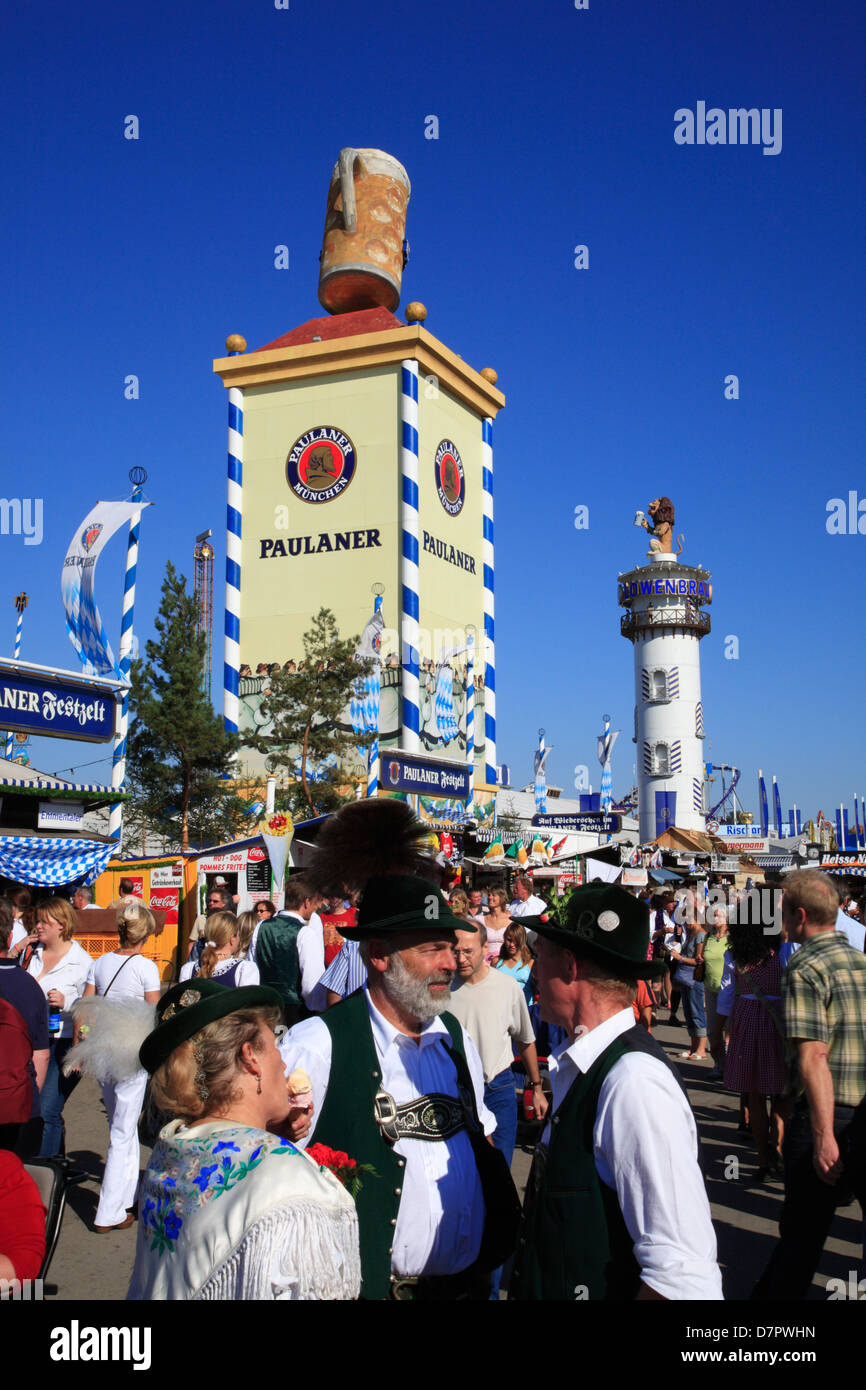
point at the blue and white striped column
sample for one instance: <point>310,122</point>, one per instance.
<point>124,658</point>
<point>487,561</point>
<point>234,519</point>
<point>409,587</point>
<point>20,604</point>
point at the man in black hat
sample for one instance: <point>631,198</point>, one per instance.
<point>397,1085</point>
<point>616,1206</point>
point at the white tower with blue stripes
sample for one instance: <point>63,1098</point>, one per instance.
<point>664,620</point>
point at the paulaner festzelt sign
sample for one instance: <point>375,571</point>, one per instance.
<point>402,772</point>
<point>55,707</point>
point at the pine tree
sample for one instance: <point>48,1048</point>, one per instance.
<point>179,754</point>
<point>305,706</point>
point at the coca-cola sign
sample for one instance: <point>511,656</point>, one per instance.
<point>166,900</point>
<point>255,854</point>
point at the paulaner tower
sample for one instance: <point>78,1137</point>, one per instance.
<point>665,621</point>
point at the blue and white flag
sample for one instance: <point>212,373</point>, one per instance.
<point>446,724</point>
<point>606,740</point>
<point>83,622</point>
<point>364,704</point>
<point>762,796</point>
<point>777,808</point>
<point>541,753</point>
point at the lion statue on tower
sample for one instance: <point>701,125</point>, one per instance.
<point>661,526</point>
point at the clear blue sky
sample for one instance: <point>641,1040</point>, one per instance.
<point>556,128</point>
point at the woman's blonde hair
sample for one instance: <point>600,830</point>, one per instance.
<point>499,893</point>
<point>60,911</point>
<point>220,928</point>
<point>200,1076</point>
<point>459,903</point>
<point>135,923</point>
<point>247,923</point>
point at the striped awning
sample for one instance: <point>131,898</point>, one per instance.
<point>844,869</point>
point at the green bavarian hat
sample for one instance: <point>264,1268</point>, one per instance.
<point>187,1008</point>
<point>401,902</point>
<point>607,925</point>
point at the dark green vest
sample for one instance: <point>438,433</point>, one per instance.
<point>279,965</point>
<point>346,1122</point>
<point>574,1242</point>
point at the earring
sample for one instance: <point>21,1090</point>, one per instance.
<point>259,1087</point>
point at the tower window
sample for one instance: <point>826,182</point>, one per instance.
<point>663,759</point>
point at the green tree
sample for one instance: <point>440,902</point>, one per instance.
<point>305,707</point>
<point>179,755</point>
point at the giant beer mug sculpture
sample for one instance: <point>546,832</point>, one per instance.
<point>363,250</point>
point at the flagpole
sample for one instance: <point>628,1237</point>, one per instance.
<point>470,715</point>
<point>373,752</point>
<point>20,605</point>
<point>138,477</point>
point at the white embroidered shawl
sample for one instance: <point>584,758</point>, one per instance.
<point>228,1212</point>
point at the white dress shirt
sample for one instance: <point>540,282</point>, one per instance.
<point>311,958</point>
<point>532,907</point>
<point>441,1217</point>
<point>644,1133</point>
<point>71,976</point>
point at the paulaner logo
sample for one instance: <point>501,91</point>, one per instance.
<point>736,126</point>
<point>76,1343</point>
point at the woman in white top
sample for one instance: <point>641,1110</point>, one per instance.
<point>219,959</point>
<point>65,974</point>
<point>124,974</point>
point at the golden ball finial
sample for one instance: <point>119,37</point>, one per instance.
<point>489,374</point>
<point>235,343</point>
<point>416,312</point>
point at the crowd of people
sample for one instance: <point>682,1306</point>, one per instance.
<point>338,1084</point>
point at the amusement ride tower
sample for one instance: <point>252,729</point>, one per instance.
<point>664,619</point>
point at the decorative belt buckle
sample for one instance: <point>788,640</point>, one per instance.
<point>385,1114</point>
<point>403,1289</point>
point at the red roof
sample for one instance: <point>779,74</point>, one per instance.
<point>337,326</point>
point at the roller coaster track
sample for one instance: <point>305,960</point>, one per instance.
<point>714,810</point>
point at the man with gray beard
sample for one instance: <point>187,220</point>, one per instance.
<point>398,1087</point>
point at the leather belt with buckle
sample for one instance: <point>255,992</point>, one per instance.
<point>432,1117</point>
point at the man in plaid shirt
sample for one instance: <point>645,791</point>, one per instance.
<point>824,1001</point>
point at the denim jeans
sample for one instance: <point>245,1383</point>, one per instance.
<point>55,1093</point>
<point>807,1211</point>
<point>500,1097</point>
<point>693,1009</point>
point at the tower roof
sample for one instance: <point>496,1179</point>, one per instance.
<point>331,326</point>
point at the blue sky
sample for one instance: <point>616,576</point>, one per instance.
<point>556,128</point>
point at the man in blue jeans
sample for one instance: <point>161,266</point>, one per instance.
<point>492,1008</point>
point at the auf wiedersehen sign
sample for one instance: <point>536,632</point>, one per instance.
<point>586,822</point>
<point>34,702</point>
<point>403,772</point>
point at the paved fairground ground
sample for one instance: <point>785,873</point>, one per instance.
<point>88,1266</point>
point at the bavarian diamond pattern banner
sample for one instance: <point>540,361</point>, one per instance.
<point>83,622</point>
<point>52,863</point>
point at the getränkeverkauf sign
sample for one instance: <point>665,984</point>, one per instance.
<point>587,822</point>
<point>36,702</point>
<point>404,772</point>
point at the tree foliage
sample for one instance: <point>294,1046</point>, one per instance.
<point>179,754</point>
<point>305,707</point>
